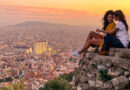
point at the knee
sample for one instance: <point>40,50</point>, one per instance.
<point>91,32</point>
<point>89,41</point>
<point>108,35</point>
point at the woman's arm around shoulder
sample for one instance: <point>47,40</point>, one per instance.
<point>111,31</point>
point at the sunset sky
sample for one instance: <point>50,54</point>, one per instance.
<point>75,12</point>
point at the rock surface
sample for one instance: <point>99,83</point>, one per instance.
<point>96,72</point>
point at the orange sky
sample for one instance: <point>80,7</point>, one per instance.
<point>78,12</point>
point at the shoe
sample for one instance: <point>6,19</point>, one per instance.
<point>103,53</point>
<point>75,53</point>
<point>79,49</point>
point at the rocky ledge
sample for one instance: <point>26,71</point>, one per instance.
<point>96,72</point>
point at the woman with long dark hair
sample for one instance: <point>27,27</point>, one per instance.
<point>95,38</point>
<point>122,37</point>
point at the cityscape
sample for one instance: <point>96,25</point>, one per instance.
<point>38,51</point>
<point>40,40</point>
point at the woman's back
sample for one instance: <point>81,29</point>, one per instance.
<point>122,34</point>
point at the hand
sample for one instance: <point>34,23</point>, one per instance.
<point>105,34</point>
<point>99,49</point>
<point>102,31</point>
<point>97,30</point>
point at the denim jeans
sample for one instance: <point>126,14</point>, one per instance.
<point>110,40</point>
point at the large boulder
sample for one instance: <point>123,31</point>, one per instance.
<point>96,72</point>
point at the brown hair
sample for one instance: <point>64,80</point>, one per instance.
<point>119,14</point>
<point>105,22</point>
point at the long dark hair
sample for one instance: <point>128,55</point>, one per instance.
<point>105,21</point>
<point>119,14</point>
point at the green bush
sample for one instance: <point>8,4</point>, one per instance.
<point>57,84</point>
<point>68,77</point>
<point>18,86</point>
<point>8,79</point>
<point>1,80</point>
<point>16,77</point>
<point>104,75</point>
<point>60,83</point>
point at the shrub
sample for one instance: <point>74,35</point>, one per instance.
<point>104,75</point>
<point>18,86</point>
<point>68,77</point>
<point>57,84</point>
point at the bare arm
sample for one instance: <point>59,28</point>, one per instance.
<point>110,31</point>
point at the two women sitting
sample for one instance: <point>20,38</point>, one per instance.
<point>115,34</point>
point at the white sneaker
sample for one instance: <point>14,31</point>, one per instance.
<point>79,49</point>
<point>75,53</point>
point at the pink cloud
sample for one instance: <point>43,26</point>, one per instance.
<point>42,12</point>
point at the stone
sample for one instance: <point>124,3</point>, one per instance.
<point>129,78</point>
<point>88,74</point>
<point>91,83</point>
<point>101,67</point>
<point>120,82</point>
<point>126,73</point>
<point>112,52</point>
<point>117,73</point>
<point>73,83</point>
<point>83,79</point>
<point>109,64</point>
<point>124,65</point>
<point>125,54</point>
<point>99,84</point>
<point>107,85</point>
<point>79,88</point>
<point>111,73</point>
<point>120,52</point>
<point>121,71</point>
<point>83,86</point>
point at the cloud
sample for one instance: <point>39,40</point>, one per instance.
<point>42,12</point>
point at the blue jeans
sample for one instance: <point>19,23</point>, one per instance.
<point>110,40</point>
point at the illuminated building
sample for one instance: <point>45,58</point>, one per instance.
<point>29,51</point>
<point>40,47</point>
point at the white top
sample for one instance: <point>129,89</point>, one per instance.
<point>122,34</point>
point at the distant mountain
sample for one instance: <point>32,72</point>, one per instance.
<point>58,35</point>
<point>36,23</point>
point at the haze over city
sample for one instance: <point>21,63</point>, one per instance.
<point>74,12</point>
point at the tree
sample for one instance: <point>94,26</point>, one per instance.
<point>68,77</point>
<point>57,84</point>
<point>8,79</point>
<point>18,86</point>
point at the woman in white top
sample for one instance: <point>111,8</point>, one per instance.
<point>122,37</point>
<point>94,38</point>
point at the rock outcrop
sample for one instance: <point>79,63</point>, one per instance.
<point>96,72</point>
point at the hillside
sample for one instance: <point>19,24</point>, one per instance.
<point>96,72</point>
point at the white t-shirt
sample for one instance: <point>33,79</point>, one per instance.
<point>122,34</point>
